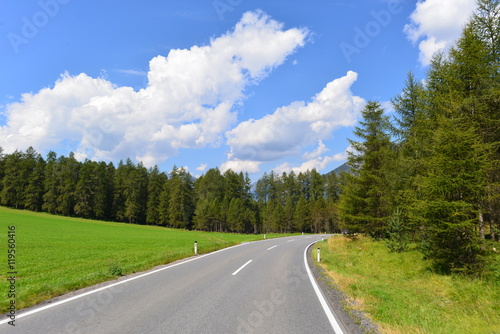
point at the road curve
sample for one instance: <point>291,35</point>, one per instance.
<point>257,287</point>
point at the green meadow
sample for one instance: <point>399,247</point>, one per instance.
<point>401,293</point>
<point>56,255</point>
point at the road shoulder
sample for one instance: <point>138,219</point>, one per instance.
<point>354,321</point>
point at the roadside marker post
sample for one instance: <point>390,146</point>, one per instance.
<point>195,248</point>
<point>319,256</point>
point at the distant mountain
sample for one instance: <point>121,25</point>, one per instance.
<point>342,168</point>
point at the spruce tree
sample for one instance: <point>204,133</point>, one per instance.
<point>365,201</point>
<point>85,191</point>
<point>51,184</point>
<point>33,198</point>
<point>302,216</point>
<point>155,187</point>
<point>181,198</point>
<point>13,183</point>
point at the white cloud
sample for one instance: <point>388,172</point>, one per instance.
<point>202,167</point>
<point>317,152</point>
<point>241,166</point>
<point>289,129</point>
<point>437,24</point>
<point>187,103</point>
<point>318,163</point>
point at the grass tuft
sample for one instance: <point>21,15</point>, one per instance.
<point>401,293</point>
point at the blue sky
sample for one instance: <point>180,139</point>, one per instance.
<point>241,84</point>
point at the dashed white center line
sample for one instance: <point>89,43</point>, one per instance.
<point>272,247</point>
<point>243,266</point>
<point>291,240</point>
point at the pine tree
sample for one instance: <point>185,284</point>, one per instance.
<point>319,215</point>
<point>156,183</point>
<point>413,131</point>
<point>68,173</point>
<point>452,186</point>
<point>289,211</point>
<point>85,191</point>
<point>51,184</point>
<point>333,187</point>
<point>33,198</point>
<point>267,211</point>
<point>365,200</point>
<point>181,195</point>
<point>235,216</point>
<point>13,183</point>
<point>210,186</point>
<point>2,168</point>
<point>136,192</point>
<point>103,197</point>
<point>278,218</point>
<point>119,186</point>
<point>302,216</point>
<point>291,187</point>
<point>164,204</point>
<point>317,185</point>
<point>202,215</point>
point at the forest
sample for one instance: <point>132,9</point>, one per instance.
<point>426,172</point>
<point>132,193</point>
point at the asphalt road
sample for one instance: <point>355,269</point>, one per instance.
<point>258,287</point>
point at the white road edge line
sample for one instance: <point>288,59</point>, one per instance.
<point>43,308</point>
<point>291,240</point>
<point>243,266</point>
<point>272,247</point>
<point>326,308</point>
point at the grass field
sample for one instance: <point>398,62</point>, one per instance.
<point>401,294</point>
<point>55,255</point>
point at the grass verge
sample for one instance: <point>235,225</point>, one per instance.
<point>56,255</point>
<point>401,294</point>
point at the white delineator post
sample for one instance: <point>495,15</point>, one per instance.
<point>319,256</point>
<point>195,248</point>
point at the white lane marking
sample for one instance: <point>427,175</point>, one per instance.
<point>21,315</point>
<point>291,240</point>
<point>243,266</point>
<point>326,308</point>
<point>272,247</point>
<point>307,238</point>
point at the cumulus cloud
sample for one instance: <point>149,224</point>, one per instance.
<point>202,167</point>
<point>317,152</point>
<point>237,165</point>
<point>289,129</point>
<point>436,24</point>
<point>187,103</point>
<point>318,163</point>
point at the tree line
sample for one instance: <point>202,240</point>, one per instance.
<point>432,173</point>
<point>132,193</point>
